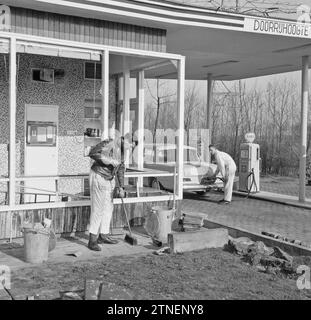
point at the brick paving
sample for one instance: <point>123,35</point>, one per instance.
<point>283,185</point>
<point>253,215</point>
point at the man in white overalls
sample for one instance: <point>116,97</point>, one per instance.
<point>227,167</point>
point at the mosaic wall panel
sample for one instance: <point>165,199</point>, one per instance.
<point>69,93</point>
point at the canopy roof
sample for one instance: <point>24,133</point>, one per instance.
<point>229,46</point>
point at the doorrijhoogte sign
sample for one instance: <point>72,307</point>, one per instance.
<point>278,27</point>
<point>300,28</point>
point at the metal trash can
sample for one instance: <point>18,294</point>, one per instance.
<point>36,244</point>
<point>158,223</point>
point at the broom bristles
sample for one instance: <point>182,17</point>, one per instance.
<point>130,239</point>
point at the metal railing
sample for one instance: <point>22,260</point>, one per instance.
<point>36,192</point>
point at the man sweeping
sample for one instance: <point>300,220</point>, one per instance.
<point>227,167</point>
<point>107,164</point>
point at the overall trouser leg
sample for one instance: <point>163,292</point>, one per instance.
<point>228,187</point>
<point>101,204</point>
<point>108,208</point>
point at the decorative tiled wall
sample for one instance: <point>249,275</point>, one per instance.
<point>69,93</point>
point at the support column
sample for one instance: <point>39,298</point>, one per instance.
<point>209,110</point>
<point>105,94</point>
<point>304,126</point>
<point>12,145</point>
<point>181,109</point>
<point>126,105</point>
<point>141,118</point>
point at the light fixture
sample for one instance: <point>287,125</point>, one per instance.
<point>220,63</point>
<point>305,46</point>
<point>274,67</point>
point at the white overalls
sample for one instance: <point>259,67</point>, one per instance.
<point>101,191</point>
<point>227,167</point>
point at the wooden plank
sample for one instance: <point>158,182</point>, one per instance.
<point>67,27</point>
<point>49,24</point>
<point>63,219</point>
<point>57,27</point>
<point>92,31</point>
<point>16,22</point>
<point>82,30</point>
<point>101,30</point>
<point>76,23</point>
<point>35,23</point>
<point>46,24</point>
<point>190,241</point>
<point>28,21</point>
<point>61,27</point>
<point>87,30</point>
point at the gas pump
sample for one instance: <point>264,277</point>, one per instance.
<point>249,172</point>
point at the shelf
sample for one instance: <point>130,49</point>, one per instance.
<point>87,137</point>
<point>92,119</point>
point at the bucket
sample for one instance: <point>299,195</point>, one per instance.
<point>159,223</point>
<point>36,244</point>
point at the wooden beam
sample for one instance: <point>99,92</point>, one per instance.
<point>126,105</point>
<point>12,145</point>
<point>209,112</point>
<point>189,241</point>
<point>180,113</point>
<point>303,127</point>
<point>141,119</point>
<point>105,94</point>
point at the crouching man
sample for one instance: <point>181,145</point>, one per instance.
<point>107,165</point>
<point>227,167</point>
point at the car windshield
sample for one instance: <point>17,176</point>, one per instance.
<point>190,155</point>
<point>168,155</point>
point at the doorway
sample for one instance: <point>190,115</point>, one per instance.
<point>41,152</point>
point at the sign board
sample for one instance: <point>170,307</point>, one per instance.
<point>278,27</point>
<point>250,137</point>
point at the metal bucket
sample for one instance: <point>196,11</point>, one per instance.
<point>36,245</point>
<point>159,223</point>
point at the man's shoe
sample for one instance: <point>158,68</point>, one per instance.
<point>104,238</point>
<point>221,201</point>
<point>93,245</point>
<point>224,202</point>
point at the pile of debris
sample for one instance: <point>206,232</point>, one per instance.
<point>191,222</point>
<point>283,238</point>
<point>265,259</point>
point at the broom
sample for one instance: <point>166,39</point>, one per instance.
<point>129,238</point>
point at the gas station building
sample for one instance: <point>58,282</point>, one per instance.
<point>67,68</point>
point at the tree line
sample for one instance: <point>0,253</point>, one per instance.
<point>272,112</point>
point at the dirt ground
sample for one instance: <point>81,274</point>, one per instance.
<point>208,274</point>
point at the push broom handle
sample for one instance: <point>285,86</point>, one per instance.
<point>174,191</point>
<point>123,204</point>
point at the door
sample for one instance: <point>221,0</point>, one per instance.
<point>41,151</point>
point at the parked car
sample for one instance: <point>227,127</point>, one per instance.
<point>198,175</point>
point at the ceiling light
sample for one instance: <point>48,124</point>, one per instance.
<point>274,67</point>
<point>220,63</point>
<point>305,46</point>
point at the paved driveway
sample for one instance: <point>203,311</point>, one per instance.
<point>254,215</point>
<point>283,185</point>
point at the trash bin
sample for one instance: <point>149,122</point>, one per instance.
<point>36,244</point>
<point>158,223</point>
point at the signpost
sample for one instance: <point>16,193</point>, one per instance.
<point>278,27</point>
